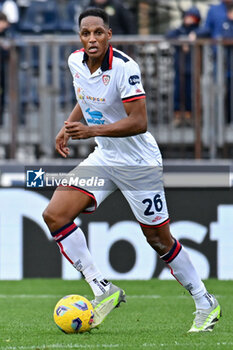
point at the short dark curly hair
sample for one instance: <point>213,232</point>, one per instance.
<point>96,12</point>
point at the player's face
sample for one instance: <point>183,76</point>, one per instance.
<point>94,35</point>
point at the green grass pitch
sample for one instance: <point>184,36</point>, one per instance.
<point>157,315</point>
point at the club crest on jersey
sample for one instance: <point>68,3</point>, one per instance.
<point>106,79</point>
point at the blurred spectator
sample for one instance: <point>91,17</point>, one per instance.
<point>183,67</point>
<point>10,9</point>
<point>121,19</point>
<point>214,24</point>
<point>40,17</point>
<point>4,24</point>
<point>68,15</point>
<point>227,33</point>
<point>23,5</point>
<point>219,25</point>
<point>227,28</point>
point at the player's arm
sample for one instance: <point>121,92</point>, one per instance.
<point>62,137</point>
<point>134,124</point>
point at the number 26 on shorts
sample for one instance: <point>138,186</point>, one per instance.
<point>153,204</point>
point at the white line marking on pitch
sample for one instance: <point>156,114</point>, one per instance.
<point>105,346</point>
<point>44,296</point>
<point>41,296</point>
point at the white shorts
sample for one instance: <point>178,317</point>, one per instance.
<point>141,184</point>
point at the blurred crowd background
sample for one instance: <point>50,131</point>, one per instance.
<point>184,49</point>
<point>127,17</point>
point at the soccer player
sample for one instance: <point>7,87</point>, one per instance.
<point>111,98</point>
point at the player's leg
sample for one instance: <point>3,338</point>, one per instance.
<point>150,209</point>
<point>66,204</point>
<point>177,258</point>
<point>64,207</point>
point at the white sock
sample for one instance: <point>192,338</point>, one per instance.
<point>99,286</point>
<point>183,270</point>
<point>73,245</point>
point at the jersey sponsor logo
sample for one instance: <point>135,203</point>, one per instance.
<point>82,96</point>
<point>77,75</point>
<point>138,91</point>
<point>95,117</point>
<point>95,99</point>
<point>80,93</point>
<point>106,79</point>
<point>134,79</point>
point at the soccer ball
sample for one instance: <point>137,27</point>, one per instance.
<point>73,314</point>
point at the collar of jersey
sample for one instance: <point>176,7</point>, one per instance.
<point>107,61</point>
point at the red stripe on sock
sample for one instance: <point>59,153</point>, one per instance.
<point>176,251</point>
<point>174,275</point>
<point>63,253</point>
<point>65,231</point>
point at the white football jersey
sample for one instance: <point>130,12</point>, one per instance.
<point>101,96</point>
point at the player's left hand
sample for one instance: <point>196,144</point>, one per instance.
<point>77,130</point>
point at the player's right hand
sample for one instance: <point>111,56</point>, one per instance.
<point>61,143</point>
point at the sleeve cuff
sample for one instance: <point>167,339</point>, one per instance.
<point>133,98</point>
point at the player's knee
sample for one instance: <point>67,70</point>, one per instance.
<point>160,244</point>
<point>155,242</point>
<point>49,217</point>
<point>54,219</point>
